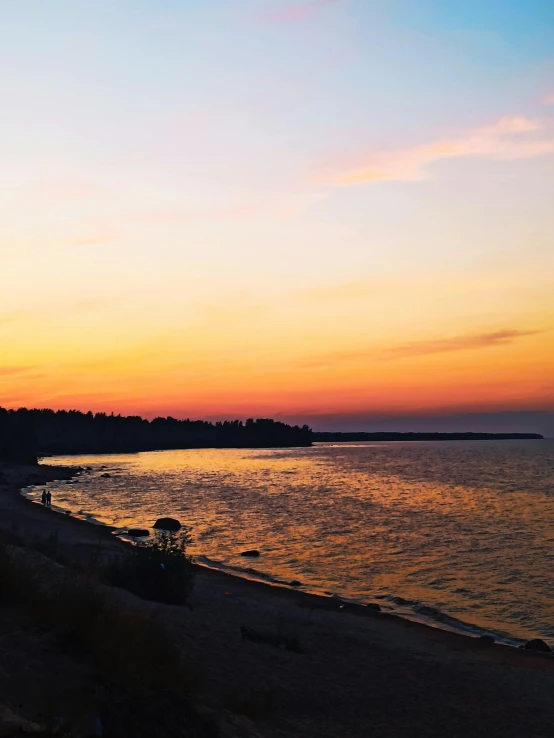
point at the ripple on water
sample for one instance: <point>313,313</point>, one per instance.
<point>463,528</point>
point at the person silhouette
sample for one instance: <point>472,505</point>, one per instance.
<point>49,499</point>
<point>43,498</point>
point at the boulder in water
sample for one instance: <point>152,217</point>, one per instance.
<point>295,583</point>
<point>537,644</point>
<point>169,524</point>
<point>252,553</point>
<point>106,476</point>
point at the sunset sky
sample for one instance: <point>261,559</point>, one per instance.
<point>338,212</point>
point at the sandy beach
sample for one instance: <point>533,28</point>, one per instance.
<point>356,671</point>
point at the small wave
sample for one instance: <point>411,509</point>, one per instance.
<point>209,532</point>
<point>398,600</point>
<point>412,609</point>
<point>432,615</point>
<point>453,623</point>
<point>246,572</point>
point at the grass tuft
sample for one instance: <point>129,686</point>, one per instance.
<point>142,683</point>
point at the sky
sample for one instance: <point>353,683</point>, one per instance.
<point>337,212</point>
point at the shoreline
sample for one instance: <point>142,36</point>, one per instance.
<point>323,438</point>
<point>104,533</point>
<point>440,622</point>
<point>328,602</point>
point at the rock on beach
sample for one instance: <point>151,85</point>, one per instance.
<point>169,524</point>
<point>537,644</point>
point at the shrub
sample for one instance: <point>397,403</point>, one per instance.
<point>159,570</point>
<point>18,442</point>
<point>127,646</point>
<point>143,682</point>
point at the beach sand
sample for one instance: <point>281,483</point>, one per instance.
<point>359,672</point>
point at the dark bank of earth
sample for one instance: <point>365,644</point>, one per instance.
<point>261,660</point>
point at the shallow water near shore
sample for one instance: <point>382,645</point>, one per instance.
<point>460,534</point>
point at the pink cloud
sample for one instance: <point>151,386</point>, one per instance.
<point>549,99</point>
<point>278,204</point>
<point>508,138</point>
<point>296,12</point>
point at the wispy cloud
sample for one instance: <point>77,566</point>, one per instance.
<point>278,204</point>
<point>65,192</point>
<point>457,343</point>
<point>15,371</point>
<point>470,342</point>
<point>296,12</point>
<point>345,291</point>
<point>549,99</point>
<point>59,191</point>
<point>509,138</point>
<point>13,317</point>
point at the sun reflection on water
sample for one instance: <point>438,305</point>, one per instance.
<point>466,528</point>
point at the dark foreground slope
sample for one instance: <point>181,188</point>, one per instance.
<point>352,675</point>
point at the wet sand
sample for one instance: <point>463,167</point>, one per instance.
<point>359,672</point>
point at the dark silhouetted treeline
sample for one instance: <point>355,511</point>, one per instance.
<point>337,437</point>
<point>18,442</point>
<point>26,434</point>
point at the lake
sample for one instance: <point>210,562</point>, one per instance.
<point>457,533</point>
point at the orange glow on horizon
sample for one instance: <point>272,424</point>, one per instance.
<point>202,373</point>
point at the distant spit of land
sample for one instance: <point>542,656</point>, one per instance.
<point>337,437</point>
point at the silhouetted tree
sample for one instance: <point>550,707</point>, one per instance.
<point>18,442</point>
<point>73,432</point>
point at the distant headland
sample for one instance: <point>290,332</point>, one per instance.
<point>338,437</point>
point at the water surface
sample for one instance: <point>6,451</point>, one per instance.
<point>461,530</point>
